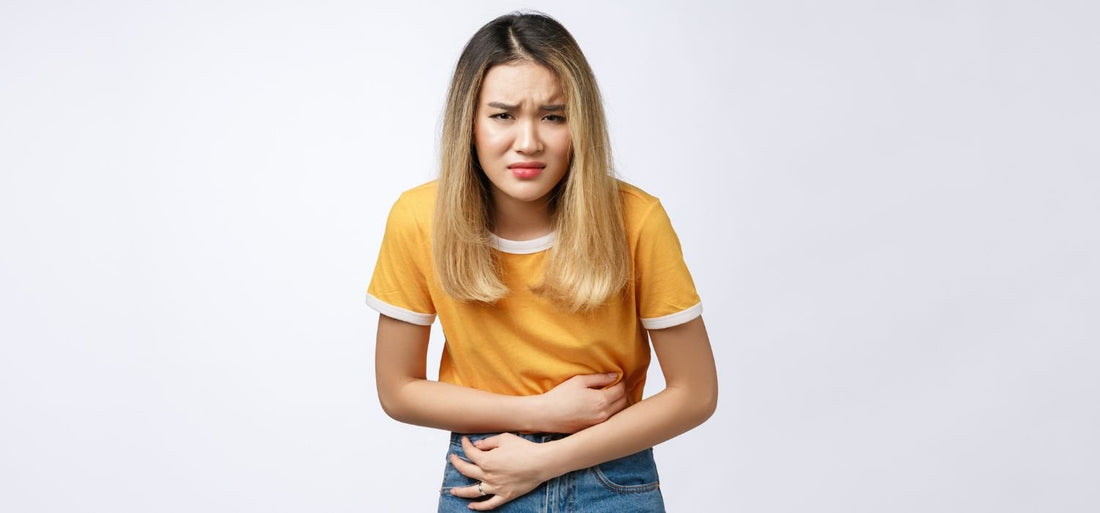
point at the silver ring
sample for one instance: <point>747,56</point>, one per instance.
<point>479,490</point>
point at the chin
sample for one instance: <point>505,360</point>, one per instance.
<point>527,195</point>
<point>529,190</point>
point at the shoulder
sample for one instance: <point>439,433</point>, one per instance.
<point>411,214</point>
<point>638,206</point>
<point>419,198</point>
<point>635,197</point>
<point>416,203</point>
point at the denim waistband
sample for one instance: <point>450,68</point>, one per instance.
<point>456,438</point>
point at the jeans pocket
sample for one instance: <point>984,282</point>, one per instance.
<point>635,473</point>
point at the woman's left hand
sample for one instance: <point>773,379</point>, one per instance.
<point>506,465</point>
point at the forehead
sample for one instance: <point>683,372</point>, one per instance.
<point>520,82</point>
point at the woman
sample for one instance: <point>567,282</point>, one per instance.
<point>550,279</point>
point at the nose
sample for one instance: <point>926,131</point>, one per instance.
<point>527,138</point>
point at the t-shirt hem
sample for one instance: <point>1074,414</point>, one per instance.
<point>674,319</point>
<point>399,313</point>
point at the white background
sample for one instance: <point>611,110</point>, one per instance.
<point>890,210</point>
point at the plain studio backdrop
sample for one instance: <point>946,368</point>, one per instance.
<point>890,210</point>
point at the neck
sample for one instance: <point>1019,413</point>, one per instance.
<point>521,220</point>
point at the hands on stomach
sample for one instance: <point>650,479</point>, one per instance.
<point>580,402</point>
<point>507,466</point>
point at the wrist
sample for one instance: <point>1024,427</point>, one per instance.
<point>532,414</point>
<point>554,461</point>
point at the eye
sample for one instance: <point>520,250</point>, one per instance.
<point>501,115</point>
<point>554,118</point>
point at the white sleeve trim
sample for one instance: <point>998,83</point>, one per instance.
<point>676,319</point>
<point>399,313</point>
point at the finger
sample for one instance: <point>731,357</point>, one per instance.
<point>472,452</point>
<point>616,391</point>
<point>596,380</point>
<point>486,505</point>
<point>488,444</point>
<point>468,492</point>
<point>466,468</point>
<point>618,405</point>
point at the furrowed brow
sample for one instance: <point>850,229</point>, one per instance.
<point>546,108</point>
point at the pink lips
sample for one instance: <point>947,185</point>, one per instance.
<point>526,170</point>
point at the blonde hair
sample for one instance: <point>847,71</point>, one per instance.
<point>589,261</point>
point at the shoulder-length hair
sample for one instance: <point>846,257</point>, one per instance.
<point>589,261</point>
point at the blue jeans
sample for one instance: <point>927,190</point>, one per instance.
<point>626,485</point>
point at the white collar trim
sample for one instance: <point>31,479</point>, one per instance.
<point>523,247</point>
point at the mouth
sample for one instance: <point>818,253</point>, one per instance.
<point>526,170</point>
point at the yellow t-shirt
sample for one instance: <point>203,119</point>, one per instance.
<point>523,344</point>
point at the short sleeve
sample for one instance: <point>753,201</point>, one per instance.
<point>399,285</point>
<point>665,292</point>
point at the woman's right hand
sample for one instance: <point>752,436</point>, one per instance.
<point>581,401</point>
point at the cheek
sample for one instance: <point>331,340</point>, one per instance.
<point>488,141</point>
<point>479,137</point>
<point>565,147</point>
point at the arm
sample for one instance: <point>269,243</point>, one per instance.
<point>688,399</point>
<point>408,396</point>
<point>510,466</point>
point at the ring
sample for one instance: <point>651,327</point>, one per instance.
<point>479,490</point>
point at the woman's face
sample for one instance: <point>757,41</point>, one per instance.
<point>520,132</point>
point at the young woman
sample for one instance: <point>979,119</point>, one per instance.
<point>550,278</point>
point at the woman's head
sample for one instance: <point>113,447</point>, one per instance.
<point>538,49</point>
<point>517,39</point>
<point>521,136</point>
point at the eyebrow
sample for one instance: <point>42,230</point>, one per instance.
<point>548,108</point>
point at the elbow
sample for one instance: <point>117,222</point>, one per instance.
<point>389,405</point>
<point>392,404</point>
<point>697,403</point>
<point>707,403</point>
<point>703,401</point>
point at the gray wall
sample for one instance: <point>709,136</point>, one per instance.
<point>890,209</point>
